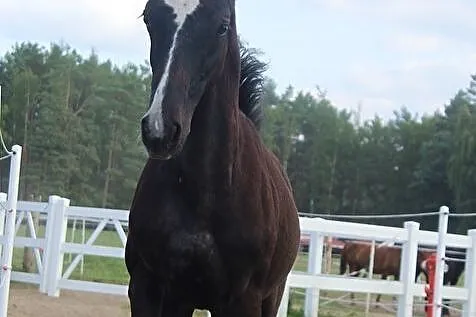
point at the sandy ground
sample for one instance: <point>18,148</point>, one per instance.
<point>28,302</point>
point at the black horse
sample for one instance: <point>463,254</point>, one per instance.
<point>213,223</point>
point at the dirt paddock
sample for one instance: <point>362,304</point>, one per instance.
<point>29,302</point>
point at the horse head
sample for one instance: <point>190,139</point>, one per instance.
<point>192,43</point>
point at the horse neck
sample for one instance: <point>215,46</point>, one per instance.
<point>209,152</point>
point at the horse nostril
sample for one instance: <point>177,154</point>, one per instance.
<point>144,126</point>
<point>176,130</point>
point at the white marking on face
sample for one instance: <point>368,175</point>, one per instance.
<point>182,9</point>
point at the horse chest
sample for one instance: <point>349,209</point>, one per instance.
<point>184,249</point>
<point>190,241</point>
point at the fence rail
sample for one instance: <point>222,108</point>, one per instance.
<point>54,274</point>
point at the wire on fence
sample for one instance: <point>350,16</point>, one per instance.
<point>421,214</point>
<point>380,216</point>
<point>472,214</point>
<point>455,259</point>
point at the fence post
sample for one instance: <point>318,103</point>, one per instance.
<point>316,248</point>
<point>370,276</point>
<point>50,215</point>
<point>3,205</point>
<point>408,264</point>
<point>58,237</point>
<point>55,236</point>
<point>469,307</point>
<point>440,260</point>
<point>9,229</point>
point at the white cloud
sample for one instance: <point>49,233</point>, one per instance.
<point>111,25</point>
<point>408,42</point>
<point>459,11</point>
<point>421,85</point>
<point>369,106</point>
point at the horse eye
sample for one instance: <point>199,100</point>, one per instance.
<point>223,29</point>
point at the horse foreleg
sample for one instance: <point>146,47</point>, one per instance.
<point>248,304</point>
<point>384,277</point>
<point>396,278</point>
<point>444,310</point>
<point>145,299</point>
<point>148,299</point>
<point>352,296</point>
<point>270,305</point>
<point>354,271</point>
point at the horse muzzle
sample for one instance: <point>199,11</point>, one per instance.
<point>161,142</point>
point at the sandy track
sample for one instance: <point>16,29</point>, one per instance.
<point>29,302</point>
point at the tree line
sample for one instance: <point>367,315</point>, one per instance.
<point>77,119</point>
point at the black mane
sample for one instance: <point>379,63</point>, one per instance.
<point>251,85</point>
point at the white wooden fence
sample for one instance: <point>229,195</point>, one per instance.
<point>50,249</point>
<point>52,276</point>
<point>406,289</point>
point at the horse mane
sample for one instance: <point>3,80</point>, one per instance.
<point>251,85</point>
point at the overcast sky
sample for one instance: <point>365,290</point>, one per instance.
<point>382,53</point>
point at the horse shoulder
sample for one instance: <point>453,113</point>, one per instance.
<point>261,166</point>
<point>263,193</point>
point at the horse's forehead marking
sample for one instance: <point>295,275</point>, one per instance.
<point>181,9</point>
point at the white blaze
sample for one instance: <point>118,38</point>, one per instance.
<point>182,9</point>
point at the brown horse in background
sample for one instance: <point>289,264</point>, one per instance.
<point>356,254</point>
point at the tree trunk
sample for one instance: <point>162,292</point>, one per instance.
<point>26,120</point>
<point>109,166</point>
